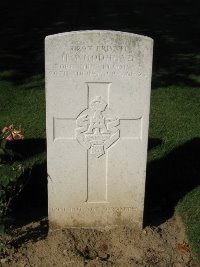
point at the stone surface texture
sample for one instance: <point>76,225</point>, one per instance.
<point>97,109</point>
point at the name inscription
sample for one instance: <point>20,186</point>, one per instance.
<point>94,61</point>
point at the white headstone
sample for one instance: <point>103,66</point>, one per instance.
<point>98,97</point>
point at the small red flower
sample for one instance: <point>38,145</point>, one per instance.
<point>9,138</point>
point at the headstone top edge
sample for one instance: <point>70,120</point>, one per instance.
<point>100,32</point>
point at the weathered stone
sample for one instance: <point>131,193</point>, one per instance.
<point>97,94</point>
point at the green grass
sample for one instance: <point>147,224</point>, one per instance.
<point>175,121</point>
<point>174,118</point>
<point>188,209</point>
<point>24,106</point>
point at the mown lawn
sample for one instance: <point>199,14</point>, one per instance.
<point>24,106</point>
<point>173,172</point>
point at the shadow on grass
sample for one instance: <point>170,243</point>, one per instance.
<point>28,147</point>
<point>31,204</point>
<point>30,207</point>
<point>154,142</point>
<point>174,26</point>
<point>169,179</point>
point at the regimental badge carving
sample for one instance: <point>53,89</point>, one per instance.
<point>97,127</point>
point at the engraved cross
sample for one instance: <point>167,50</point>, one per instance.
<point>97,128</point>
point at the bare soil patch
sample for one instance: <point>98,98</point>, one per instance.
<point>163,246</point>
